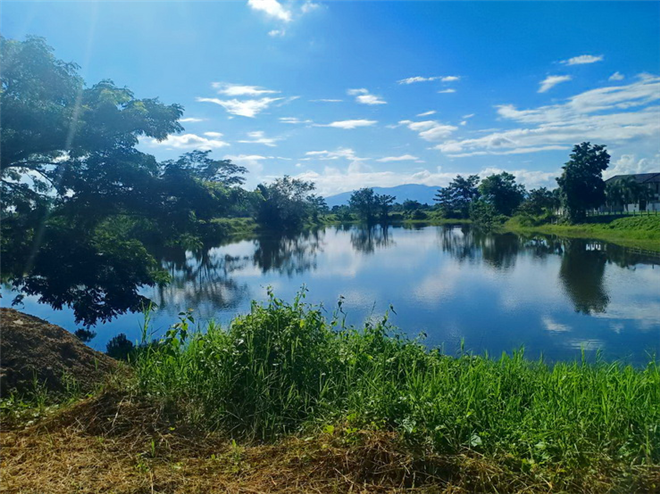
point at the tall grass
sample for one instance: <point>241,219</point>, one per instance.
<point>284,368</point>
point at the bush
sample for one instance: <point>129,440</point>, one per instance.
<point>284,368</point>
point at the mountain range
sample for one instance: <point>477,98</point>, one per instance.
<point>415,192</point>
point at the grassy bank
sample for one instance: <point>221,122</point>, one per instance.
<point>285,400</point>
<point>633,231</point>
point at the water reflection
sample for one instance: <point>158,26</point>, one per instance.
<point>288,254</point>
<point>367,239</point>
<point>581,272</point>
<point>496,291</point>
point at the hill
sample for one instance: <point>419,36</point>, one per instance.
<point>416,192</point>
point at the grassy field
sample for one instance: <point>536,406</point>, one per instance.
<point>286,395</point>
<point>632,231</point>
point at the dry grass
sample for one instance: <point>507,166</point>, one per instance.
<point>118,443</point>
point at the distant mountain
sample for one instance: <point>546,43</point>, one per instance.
<point>415,192</point>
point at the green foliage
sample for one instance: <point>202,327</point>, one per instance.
<point>284,368</point>
<point>540,201</point>
<point>370,206</point>
<point>624,191</point>
<point>287,204</point>
<point>484,214</point>
<point>581,183</point>
<point>502,191</point>
<point>455,199</point>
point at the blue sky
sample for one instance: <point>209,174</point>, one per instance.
<point>351,94</point>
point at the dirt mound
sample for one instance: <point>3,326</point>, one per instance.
<point>33,348</point>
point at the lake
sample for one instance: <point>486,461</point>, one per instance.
<point>453,284</point>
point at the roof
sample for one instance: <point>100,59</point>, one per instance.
<point>640,178</point>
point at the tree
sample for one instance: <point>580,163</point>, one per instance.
<point>502,191</point>
<point>581,183</point>
<point>625,191</point>
<point>287,203</point>
<point>58,132</point>
<point>540,201</point>
<point>455,199</point>
<point>371,206</point>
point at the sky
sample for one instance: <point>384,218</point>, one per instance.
<point>352,94</point>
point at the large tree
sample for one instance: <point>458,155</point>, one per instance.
<point>581,183</point>
<point>456,198</point>
<point>502,191</point>
<point>60,138</point>
<point>371,206</point>
<point>287,203</point>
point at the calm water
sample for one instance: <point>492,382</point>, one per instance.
<point>496,292</point>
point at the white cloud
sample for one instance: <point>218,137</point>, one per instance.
<point>630,164</point>
<point>325,100</point>
<point>468,116</point>
<point>426,113</point>
<point>429,130</point>
<point>309,7</point>
<point>244,108</point>
<point>588,116</point>
<point>340,153</point>
<point>229,89</point>
<point>191,120</point>
<point>258,137</point>
<point>271,8</point>
<point>276,33</point>
<point>617,76</point>
<point>551,81</point>
<point>405,157</point>
<point>294,120</point>
<point>463,122</point>
<point>349,124</point>
<point>250,161</point>
<point>333,180</point>
<point>412,80</point>
<point>447,91</point>
<point>582,59</point>
<point>190,141</point>
<point>363,96</point>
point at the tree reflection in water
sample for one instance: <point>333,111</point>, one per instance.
<point>367,239</point>
<point>581,272</point>
<point>288,254</point>
<point>201,279</point>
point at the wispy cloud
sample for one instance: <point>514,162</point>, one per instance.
<point>583,59</point>
<point>259,137</point>
<point>190,141</point>
<point>349,124</point>
<point>617,76</point>
<point>426,113</point>
<point>340,153</point>
<point>594,115</point>
<point>244,108</point>
<point>363,96</point>
<point>229,89</point>
<point>294,120</point>
<point>413,80</point>
<point>326,100</point>
<point>450,90</point>
<point>276,33</point>
<point>551,81</point>
<point>405,157</point>
<point>191,120</point>
<point>430,130</point>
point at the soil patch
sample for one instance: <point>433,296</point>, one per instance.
<point>33,349</point>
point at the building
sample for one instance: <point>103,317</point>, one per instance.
<point>649,180</point>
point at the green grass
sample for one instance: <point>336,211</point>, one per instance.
<point>284,369</point>
<point>632,231</point>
